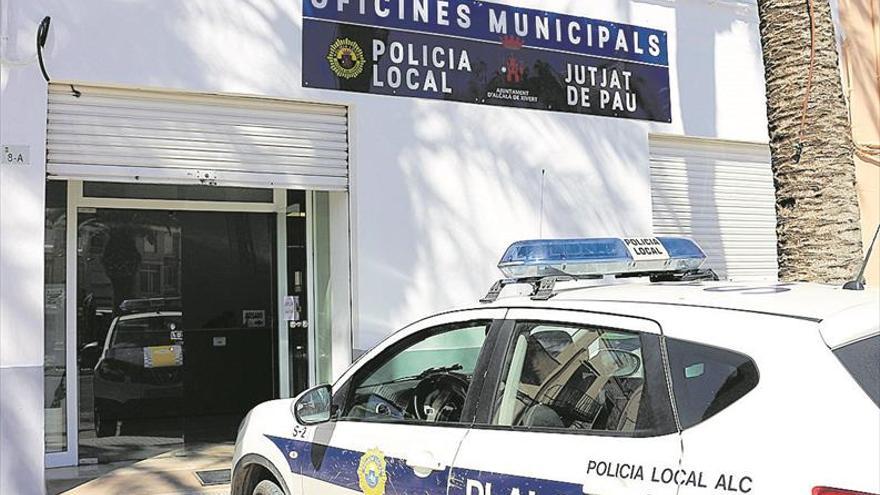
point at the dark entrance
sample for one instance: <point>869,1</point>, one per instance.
<point>175,327</point>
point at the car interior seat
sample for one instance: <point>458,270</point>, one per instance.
<point>539,415</point>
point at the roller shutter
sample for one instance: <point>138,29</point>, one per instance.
<point>721,194</point>
<point>133,135</point>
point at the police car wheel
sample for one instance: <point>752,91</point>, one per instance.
<point>267,487</point>
<point>105,419</point>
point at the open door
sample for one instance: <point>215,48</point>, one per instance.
<point>176,327</point>
<point>229,318</point>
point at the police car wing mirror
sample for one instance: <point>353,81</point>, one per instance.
<point>315,406</point>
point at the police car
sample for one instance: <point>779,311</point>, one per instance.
<point>672,383</point>
<point>139,374</point>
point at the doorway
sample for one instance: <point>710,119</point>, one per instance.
<point>172,311</point>
<point>176,311</point>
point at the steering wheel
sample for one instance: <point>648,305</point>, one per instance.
<point>439,397</point>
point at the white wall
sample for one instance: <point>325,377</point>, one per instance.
<point>22,121</point>
<point>440,188</point>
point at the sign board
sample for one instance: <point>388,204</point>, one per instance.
<point>253,318</point>
<point>15,154</point>
<point>291,308</point>
<point>488,54</point>
<point>645,248</point>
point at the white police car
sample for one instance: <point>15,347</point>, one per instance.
<point>678,385</point>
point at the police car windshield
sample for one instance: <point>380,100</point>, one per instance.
<point>423,374</point>
<point>145,332</point>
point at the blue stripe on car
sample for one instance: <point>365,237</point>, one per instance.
<point>339,467</point>
<point>504,484</point>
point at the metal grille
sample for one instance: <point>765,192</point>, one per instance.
<point>133,135</point>
<point>721,194</point>
<point>214,477</point>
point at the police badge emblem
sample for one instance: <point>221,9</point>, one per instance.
<point>371,472</point>
<point>346,58</point>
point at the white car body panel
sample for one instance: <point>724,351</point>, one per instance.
<point>806,424</point>
<point>431,454</point>
<point>792,299</point>
<point>788,427</point>
<point>269,419</point>
<point>851,325</point>
<point>504,462</point>
<point>396,440</point>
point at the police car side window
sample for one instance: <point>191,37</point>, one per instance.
<point>424,378</point>
<point>582,378</point>
<point>707,379</point>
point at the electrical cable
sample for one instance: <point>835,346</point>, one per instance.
<point>42,34</point>
<point>799,147</point>
<point>869,153</point>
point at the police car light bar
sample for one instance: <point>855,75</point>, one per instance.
<point>589,258</point>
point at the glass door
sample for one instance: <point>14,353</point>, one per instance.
<point>175,333</point>
<point>229,320</point>
<point>60,423</point>
<point>130,333</point>
<point>172,310</point>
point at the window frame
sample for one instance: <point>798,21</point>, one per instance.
<point>506,342</point>
<point>387,350</point>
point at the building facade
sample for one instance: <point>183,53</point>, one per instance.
<point>207,205</point>
<point>860,63</point>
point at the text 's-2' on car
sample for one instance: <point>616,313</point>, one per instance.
<point>670,383</point>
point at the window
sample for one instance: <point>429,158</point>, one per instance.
<point>170,275</point>
<point>425,378</point>
<point>175,192</point>
<point>55,317</point>
<point>583,378</point>
<point>860,359</point>
<point>149,279</point>
<point>707,379</point>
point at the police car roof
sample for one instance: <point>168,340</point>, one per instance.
<point>797,300</point>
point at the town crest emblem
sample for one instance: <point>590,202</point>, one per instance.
<point>371,472</point>
<point>346,58</point>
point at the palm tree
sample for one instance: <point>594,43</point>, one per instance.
<point>818,230</point>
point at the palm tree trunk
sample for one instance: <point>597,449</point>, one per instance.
<point>818,230</point>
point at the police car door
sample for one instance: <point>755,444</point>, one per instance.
<point>401,414</point>
<point>577,403</point>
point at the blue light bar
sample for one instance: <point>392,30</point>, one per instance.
<point>600,257</point>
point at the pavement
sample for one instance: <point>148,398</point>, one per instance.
<point>169,473</point>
